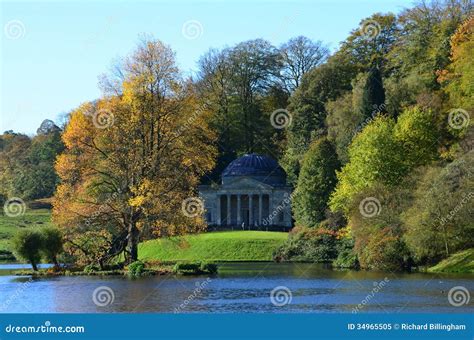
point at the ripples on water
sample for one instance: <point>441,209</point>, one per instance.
<point>239,287</point>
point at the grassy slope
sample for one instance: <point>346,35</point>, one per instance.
<point>215,246</point>
<point>33,218</point>
<point>461,262</point>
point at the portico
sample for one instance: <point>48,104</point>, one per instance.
<point>242,208</point>
<point>253,195</point>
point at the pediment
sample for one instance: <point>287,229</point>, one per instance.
<point>246,183</point>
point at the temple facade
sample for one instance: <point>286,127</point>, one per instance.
<point>252,195</point>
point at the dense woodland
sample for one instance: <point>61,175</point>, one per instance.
<point>376,139</point>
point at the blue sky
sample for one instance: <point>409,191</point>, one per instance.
<point>51,63</point>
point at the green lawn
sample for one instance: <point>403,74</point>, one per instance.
<point>215,246</point>
<point>33,218</point>
<point>461,262</point>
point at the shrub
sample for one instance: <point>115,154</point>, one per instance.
<point>27,245</point>
<point>210,268</point>
<point>52,244</point>
<point>136,268</point>
<point>91,268</point>
<point>346,257</point>
<point>385,251</point>
<point>377,227</point>
<point>195,268</point>
<point>308,245</point>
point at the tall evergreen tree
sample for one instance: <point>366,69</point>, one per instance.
<point>316,181</point>
<point>373,96</point>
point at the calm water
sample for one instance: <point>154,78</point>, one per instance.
<point>239,287</point>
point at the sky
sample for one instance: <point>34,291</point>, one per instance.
<point>53,52</point>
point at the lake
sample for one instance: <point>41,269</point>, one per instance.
<point>239,287</point>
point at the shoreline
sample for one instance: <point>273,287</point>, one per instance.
<point>167,268</point>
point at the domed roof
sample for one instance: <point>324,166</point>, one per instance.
<point>260,167</point>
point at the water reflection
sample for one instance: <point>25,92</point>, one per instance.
<point>239,287</point>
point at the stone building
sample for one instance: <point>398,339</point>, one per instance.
<point>252,195</point>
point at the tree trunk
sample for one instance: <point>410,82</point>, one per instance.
<point>35,267</point>
<point>132,243</point>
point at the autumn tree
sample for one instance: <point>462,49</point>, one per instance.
<point>458,78</point>
<point>133,157</point>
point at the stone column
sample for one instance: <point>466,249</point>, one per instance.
<point>218,212</point>
<point>239,217</point>
<point>260,208</point>
<point>250,210</point>
<point>229,211</point>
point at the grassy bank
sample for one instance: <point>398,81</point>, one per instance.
<point>216,246</point>
<point>461,262</point>
<point>9,226</point>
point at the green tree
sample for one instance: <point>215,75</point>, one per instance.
<point>28,164</point>
<point>242,85</point>
<point>52,244</point>
<point>439,222</point>
<point>254,69</point>
<point>316,181</point>
<point>369,44</point>
<point>27,245</point>
<point>417,132</point>
<point>13,158</point>
<point>374,156</point>
<point>307,108</point>
<point>344,119</point>
<point>373,96</point>
<point>299,56</point>
<point>422,46</point>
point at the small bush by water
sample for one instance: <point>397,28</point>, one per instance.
<point>136,268</point>
<point>194,268</point>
